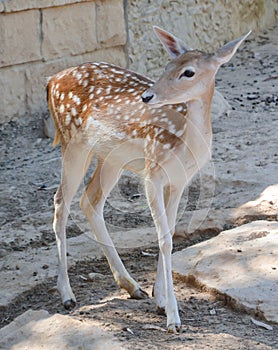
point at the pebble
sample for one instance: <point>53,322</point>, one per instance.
<point>252,97</point>
<point>94,276</point>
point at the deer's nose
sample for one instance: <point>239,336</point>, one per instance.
<point>147,96</point>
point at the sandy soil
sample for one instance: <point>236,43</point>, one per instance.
<point>245,162</point>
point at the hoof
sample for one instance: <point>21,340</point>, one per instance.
<point>160,311</point>
<point>174,328</point>
<point>139,294</point>
<point>69,304</point>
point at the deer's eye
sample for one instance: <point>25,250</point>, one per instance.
<point>188,73</point>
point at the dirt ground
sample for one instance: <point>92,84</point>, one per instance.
<point>245,162</point>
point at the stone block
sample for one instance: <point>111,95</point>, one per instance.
<point>115,55</point>
<point>19,37</point>
<point>111,29</point>
<point>22,5</point>
<point>69,30</point>
<point>12,85</point>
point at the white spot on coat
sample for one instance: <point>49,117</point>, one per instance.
<point>76,99</point>
<point>179,133</point>
<point>73,112</point>
<point>67,119</point>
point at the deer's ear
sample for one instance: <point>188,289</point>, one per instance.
<point>173,45</point>
<point>226,52</point>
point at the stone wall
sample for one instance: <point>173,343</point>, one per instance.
<point>39,38</point>
<point>203,24</point>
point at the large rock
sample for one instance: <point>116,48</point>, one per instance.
<point>38,330</point>
<point>205,220</point>
<point>266,205</point>
<point>240,264</point>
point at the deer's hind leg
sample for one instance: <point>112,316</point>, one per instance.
<point>92,203</point>
<point>75,164</point>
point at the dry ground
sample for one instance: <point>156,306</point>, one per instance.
<point>245,162</point>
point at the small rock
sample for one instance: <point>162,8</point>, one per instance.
<point>126,329</point>
<point>251,97</point>
<point>262,324</point>
<point>94,276</point>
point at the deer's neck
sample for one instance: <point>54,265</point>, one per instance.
<point>198,136</point>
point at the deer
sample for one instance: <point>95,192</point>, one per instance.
<point>160,130</point>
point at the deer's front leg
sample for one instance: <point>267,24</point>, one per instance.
<point>172,196</point>
<point>154,192</point>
